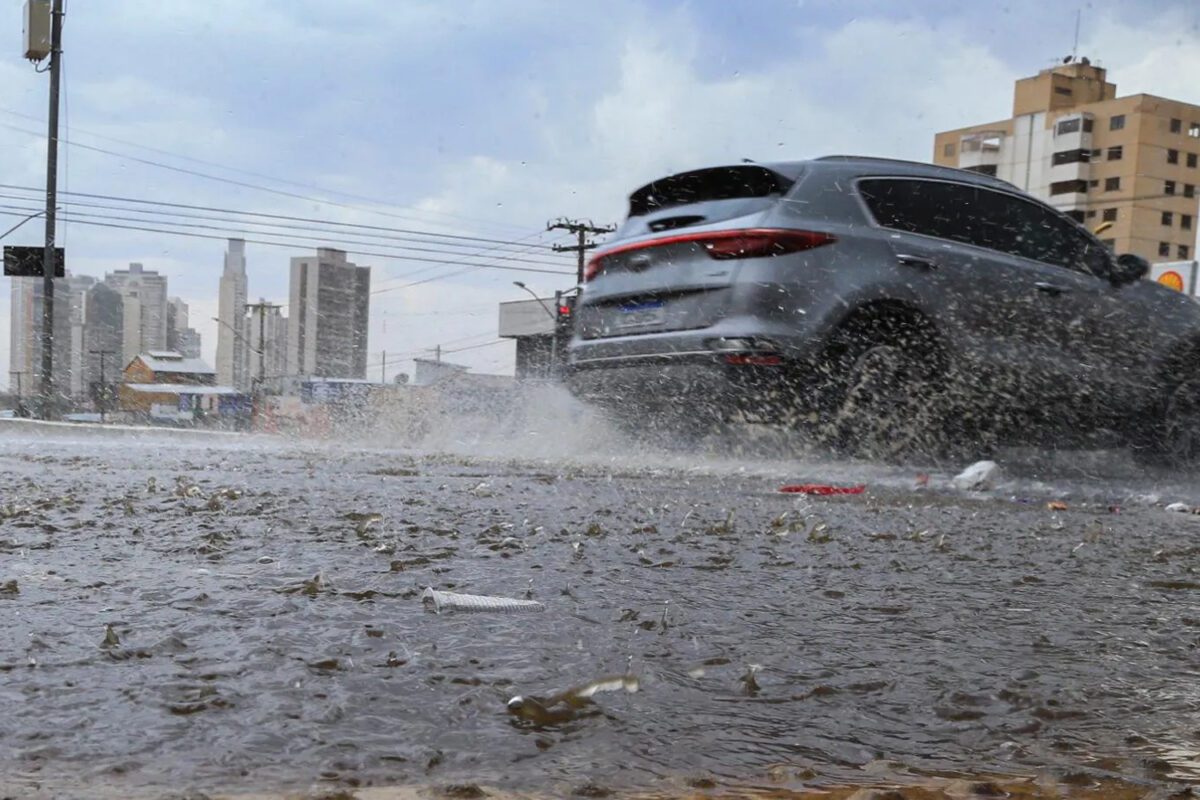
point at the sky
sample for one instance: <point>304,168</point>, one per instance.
<point>487,120</point>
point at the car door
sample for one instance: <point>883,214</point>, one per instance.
<point>955,239</point>
<point>1103,332</point>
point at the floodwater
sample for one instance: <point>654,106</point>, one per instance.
<point>238,615</point>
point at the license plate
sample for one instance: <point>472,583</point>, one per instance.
<point>641,315</point>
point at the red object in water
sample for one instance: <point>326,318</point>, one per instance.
<point>821,489</point>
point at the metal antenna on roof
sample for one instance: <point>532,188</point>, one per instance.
<point>1075,47</point>
<point>748,161</point>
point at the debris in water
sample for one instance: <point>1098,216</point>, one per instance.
<point>749,682</point>
<point>309,588</point>
<point>979,477</point>
<point>566,706</point>
<point>453,601</point>
<point>822,490</point>
<point>363,521</point>
<point>483,489</point>
<point>1056,505</point>
<point>1181,508</point>
<point>110,637</point>
<point>820,533</point>
<point>9,588</point>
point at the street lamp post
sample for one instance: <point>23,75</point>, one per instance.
<point>34,215</point>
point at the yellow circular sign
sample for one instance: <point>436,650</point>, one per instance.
<point>1172,280</point>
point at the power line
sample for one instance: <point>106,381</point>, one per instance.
<point>295,245</point>
<point>244,184</point>
<point>266,215</point>
<point>400,358</point>
<point>241,234</point>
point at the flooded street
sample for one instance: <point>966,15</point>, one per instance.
<point>234,615</point>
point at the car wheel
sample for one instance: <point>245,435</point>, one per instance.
<point>886,410</point>
<point>1174,440</point>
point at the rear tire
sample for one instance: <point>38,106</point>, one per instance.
<point>884,397</point>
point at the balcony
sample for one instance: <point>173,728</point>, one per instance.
<point>1073,132</point>
<point>980,149</point>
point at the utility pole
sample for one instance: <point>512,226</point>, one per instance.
<point>581,229</point>
<point>48,258</point>
<point>383,367</point>
<point>437,354</point>
<point>102,397</point>
<point>262,306</point>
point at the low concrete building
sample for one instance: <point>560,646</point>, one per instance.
<point>531,324</point>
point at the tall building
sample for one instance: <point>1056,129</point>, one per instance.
<point>144,295</point>
<point>328,315</point>
<point>70,319</point>
<point>268,329</point>
<point>232,355</point>
<point>103,340</point>
<point>1129,161</point>
<point>25,342</point>
<point>181,338</point>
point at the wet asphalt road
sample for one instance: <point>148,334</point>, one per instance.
<point>236,614</point>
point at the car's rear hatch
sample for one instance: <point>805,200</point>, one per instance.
<point>671,264</point>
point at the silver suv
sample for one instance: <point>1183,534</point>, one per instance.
<point>885,305</point>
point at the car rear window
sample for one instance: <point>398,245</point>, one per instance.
<point>718,183</point>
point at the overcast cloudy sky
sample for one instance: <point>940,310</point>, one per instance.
<point>487,119</point>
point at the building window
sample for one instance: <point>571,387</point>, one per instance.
<point>1176,125</point>
<point>1191,160</point>
<point>1087,124</point>
<point>1070,157</point>
<point>1194,130</point>
<point>948,149</point>
<point>1172,156</point>
<point>1115,153</point>
<point>1169,187</point>
<point>1164,248</point>
<point>1063,90</point>
<point>1185,221</point>
<point>1111,244</point>
<point>1189,190</point>
<point>1091,214</point>
<point>1077,215</point>
<point>1168,218</point>
<point>1112,184</point>
<point>1068,187</point>
<point>1183,251</point>
<point>1068,126</point>
<point>1110,215</point>
<point>1116,123</point>
<point>1093,183</point>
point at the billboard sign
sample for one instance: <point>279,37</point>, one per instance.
<point>26,262</point>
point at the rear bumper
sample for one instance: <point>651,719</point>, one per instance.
<point>700,383</point>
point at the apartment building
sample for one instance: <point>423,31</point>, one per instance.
<point>1124,165</point>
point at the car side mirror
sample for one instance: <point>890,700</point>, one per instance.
<point>1129,268</point>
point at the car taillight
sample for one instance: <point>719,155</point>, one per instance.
<point>725,245</point>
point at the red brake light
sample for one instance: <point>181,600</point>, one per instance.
<point>724,245</point>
